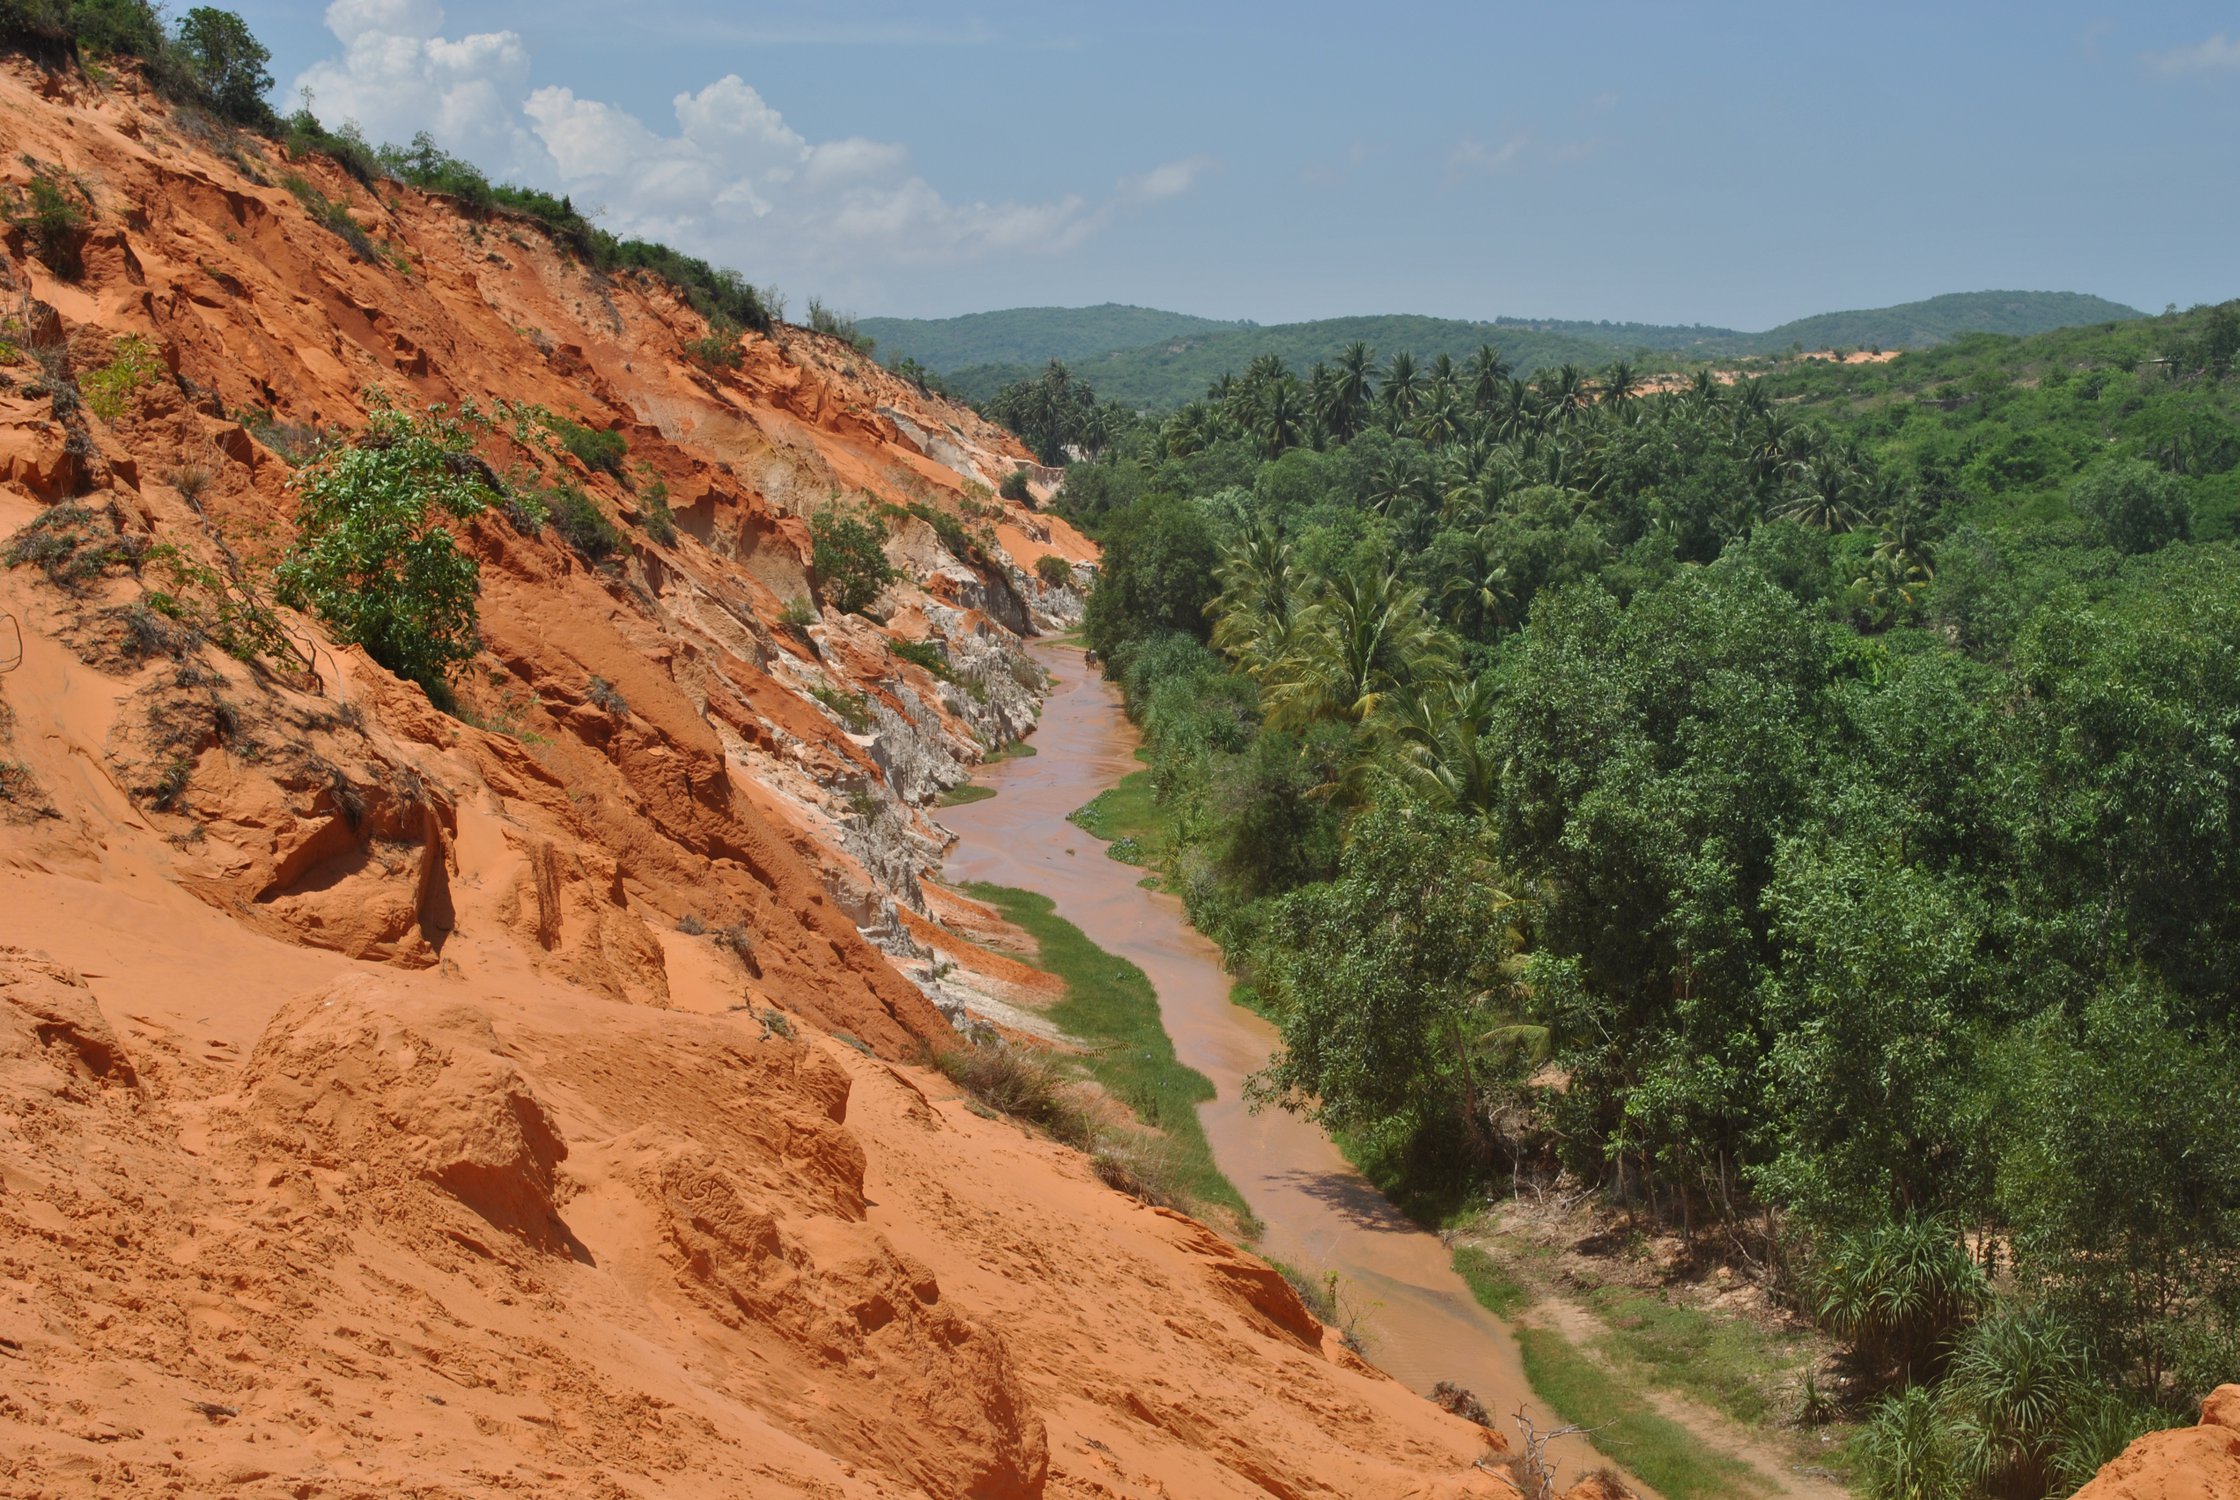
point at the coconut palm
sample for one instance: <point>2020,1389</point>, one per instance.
<point>1487,373</point>
<point>1356,377</point>
<point>1826,494</point>
<point>1620,384</point>
<point>1400,388</point>
<point>1190,430</point>
<point>1280,420</point>
<point>1366,636</point>
<point>1485,597</point>
<point>1439,728</point>
<point>1441,412</point>
<point>1259,602</point>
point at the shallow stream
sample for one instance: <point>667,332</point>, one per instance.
<point>1415,1318</point>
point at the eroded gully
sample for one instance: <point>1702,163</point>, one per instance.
<point>1416,1319</point>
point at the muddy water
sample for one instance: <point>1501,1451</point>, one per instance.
<point>1415,1317</point>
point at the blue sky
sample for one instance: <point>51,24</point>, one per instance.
<point>1731,164</point>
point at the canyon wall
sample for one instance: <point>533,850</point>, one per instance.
<point>528,1099</point>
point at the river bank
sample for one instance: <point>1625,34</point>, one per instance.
<point>1413,1315</point>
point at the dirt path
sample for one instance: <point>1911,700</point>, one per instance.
<point>1786,1476</point>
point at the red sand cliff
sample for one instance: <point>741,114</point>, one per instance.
<point>367,1125</point>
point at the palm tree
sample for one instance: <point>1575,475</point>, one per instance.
<point>1487,373</point>
<point>1396,481</point>
<point>1485,598</point>
<point>1356,378</point>
<point>1440,413</point>
<point>1400,389</point>
<point>1439,727</point>
<point>1512,409</point>
<point>1826,496</point>
<point>1621,384</point>
<point>1281,421</point>
<point>1188,431</point>
<point>1366,636</point>
<point>1259,602</point>
<point>1322,399</point>
<point>1566,392</point>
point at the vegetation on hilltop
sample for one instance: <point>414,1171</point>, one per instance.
<point>210,60</point>
<point>1921,325</point>
<point>978,355</point>
<point>1030,335</point>
<point>1839,772</point>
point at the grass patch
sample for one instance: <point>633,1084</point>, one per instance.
<point>1722,1362</point>
<point>1628,1430</point>
<point>1013,750</point>
<point>963,792</point>
<point>1128,817</point>
<point>1489,1281</point>
<point>1111,1007</point>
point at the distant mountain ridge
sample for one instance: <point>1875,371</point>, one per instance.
<point>1157,360</point>
<point>1031,335</point>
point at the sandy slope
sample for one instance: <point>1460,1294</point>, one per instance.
<point>2184,1463</point>
<point>367,1125</point>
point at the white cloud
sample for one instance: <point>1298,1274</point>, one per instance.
<point>2219,51</point>
<point>1168,180</point>
<point>730,179</point>
<point>396,77</point>
<point>1473,155</point>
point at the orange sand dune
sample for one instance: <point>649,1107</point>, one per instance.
<point>392,1105</point>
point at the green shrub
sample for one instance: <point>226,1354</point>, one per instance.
<point>840,326</point>
<point>1054,571</point>
<point>581,524</point>
<point>798,615</point>
<point>1014,487</point>
<point>851,567</point>
<point>372,556</point>
<point>922,653</point>
<point>297,443</point>
<point>607,697</point>
<point>107,390</point>
<point>1899,1291</point>
<point>1024,1084</point>
<point>1908,1450</point>
<point>50,217</point>
<point>851,709</point>
<point>597,449</point>
<point>2135,506</point>
<point>656,520</point>
<point>719,347</point>
<point>430,168</point>
<point>302,135</point>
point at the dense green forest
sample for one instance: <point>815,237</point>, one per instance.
<point>1802,809</point>
<point>977,355</point>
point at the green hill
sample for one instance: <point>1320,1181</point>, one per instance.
<point>1921,325</point>
<point>979,354</point>
<point>1166,374</point>
<point>1029,335</point>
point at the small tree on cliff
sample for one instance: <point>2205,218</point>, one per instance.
<point>372,556</point>
<point>847,554</point>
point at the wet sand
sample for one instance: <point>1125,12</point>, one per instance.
<point>1416,1318</point>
